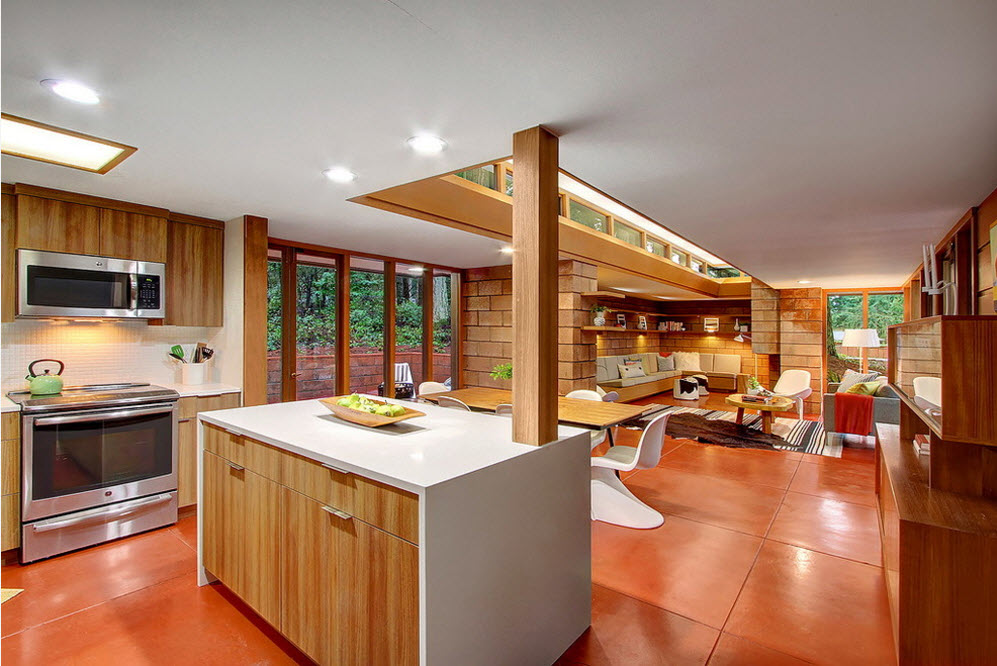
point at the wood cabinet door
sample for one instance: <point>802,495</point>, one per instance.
<point>132,236</point>
<point>241,514</point>
<point>187,462</point>
<point>57,226</point>
<point>8,299</point>
<point>349,591</point>
<point>194,275</point>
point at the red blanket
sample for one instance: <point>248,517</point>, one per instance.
<point>853,413</point>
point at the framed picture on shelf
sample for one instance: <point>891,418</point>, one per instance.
<point>621,320</point>
<point>642,323</point>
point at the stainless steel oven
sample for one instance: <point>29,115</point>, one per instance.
<point>96,466</point>
<point>54,284</point>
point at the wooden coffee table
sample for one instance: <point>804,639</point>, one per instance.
<point>776,404</point>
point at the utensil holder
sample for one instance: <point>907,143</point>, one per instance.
<point>193,373</point>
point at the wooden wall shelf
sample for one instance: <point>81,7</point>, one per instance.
<point>615,329</point>
<point>603,294</point>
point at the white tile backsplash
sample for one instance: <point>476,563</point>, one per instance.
<point>99,352</point>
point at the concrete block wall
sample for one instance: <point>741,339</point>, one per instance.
<point>487,311</point>
<point>802,323</point>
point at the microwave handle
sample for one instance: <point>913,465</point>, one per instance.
<point>133,281</point>
<point>105,416</point>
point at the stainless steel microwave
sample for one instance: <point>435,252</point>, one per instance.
<point>54,284</point>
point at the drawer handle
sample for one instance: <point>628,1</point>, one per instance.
<point>337,513</point>
<point>238,468</point>
<point>335,469</point>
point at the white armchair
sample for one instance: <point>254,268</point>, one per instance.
<point>795,385</point>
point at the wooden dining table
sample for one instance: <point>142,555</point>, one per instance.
<point>570,411</point>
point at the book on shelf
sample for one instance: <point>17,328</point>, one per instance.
<point>922,444</point>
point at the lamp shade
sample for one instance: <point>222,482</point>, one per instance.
<point>861,337</point>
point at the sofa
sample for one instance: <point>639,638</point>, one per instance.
<point>722,370</point>
<point>885,408</point>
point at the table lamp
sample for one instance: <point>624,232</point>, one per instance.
<point>862,338</point>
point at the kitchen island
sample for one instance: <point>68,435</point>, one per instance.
<point>436,540</point>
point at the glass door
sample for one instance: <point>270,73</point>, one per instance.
<point>409,371</point>
<point>315,344</point>
<point>366,324</point>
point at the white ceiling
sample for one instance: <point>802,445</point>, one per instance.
<point>796,140</point>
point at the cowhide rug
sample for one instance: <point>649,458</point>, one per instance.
<point>723,433</point>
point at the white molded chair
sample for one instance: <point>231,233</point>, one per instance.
<point>505,409</point>
<point>431,387</point>
<point>795,385</point>
<point>928,394</point>
<point>598,436</point>
<point>585,394</point>
<point>612,396</point>
<point>612,502</point>
<point>452,403</point>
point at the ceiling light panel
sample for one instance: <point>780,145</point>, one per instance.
<point>32,140</point>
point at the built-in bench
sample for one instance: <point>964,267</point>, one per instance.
<point>722,370</point>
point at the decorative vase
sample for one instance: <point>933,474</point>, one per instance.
<point>755,391</point>
<point>599,320</point>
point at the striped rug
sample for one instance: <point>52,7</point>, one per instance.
<point>802,436</point>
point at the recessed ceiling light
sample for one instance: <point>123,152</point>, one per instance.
<point>73,91</point>
<point>416,269</point>
<point>340,175</point>
<point>427,144</point>
<point>46,143</point>
<point>506,249</point>
<point>804,281</point>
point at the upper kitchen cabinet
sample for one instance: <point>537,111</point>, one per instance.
<point>132,236</point>
<point>57,226</point>
<point>194,270</point>
<point>58,221</point>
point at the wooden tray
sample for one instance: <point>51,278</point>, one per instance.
<point>365,418</point>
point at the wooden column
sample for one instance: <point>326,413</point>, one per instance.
<point>289,325</point>
<point>254,331</point>
<point>343,324</point>
<point>390,287</point>
<point>534,287</point>
<point>427,326</point>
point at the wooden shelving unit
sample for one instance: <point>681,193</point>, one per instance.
<point>938,512</point>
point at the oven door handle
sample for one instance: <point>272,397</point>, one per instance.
<point>103,416</point>
<point>102,514</point>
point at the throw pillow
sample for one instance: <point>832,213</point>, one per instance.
<point>631,370</point>
<point>852,378</point>
<point>864,388</point>
<point>687,361</point>
<point>666,363</point>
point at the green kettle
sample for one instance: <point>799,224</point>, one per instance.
<point>45,384</point>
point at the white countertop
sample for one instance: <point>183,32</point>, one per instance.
<point>412,455</point>
<point>8,405</point>
<point>186,390</point>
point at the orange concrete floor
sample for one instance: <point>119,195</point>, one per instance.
<point>764,558</point>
